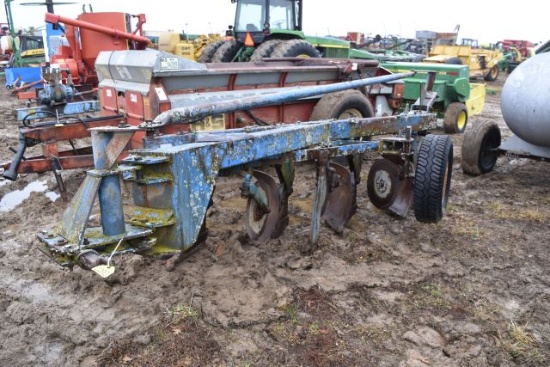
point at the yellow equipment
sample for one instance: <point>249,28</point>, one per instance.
<point>483,62</point>
<point>187,46</point>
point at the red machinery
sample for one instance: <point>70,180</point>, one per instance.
<point>107,31</point>
<point>136,86</point>
<point>524,47</point>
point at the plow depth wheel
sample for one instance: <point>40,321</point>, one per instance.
<point>383,183</point>
<point>433,177</point>
<point>261,225</point>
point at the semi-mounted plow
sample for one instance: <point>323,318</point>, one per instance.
<point>173,176</point>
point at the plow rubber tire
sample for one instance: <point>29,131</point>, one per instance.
<point>456,118</point>
<point>226,52</point>
<point>209,51</point>
<point>264,50</point>
<point>479,148</point>
<point>295,48</point>
<point>433,177</point>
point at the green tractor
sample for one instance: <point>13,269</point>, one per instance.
<point>273,28</point>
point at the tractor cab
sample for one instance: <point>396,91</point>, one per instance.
<point>261,18</point>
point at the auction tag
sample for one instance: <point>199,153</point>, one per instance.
<point>104,270</point>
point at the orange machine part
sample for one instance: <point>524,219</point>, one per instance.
<point>93,42</point>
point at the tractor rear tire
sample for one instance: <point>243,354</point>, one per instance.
<point>340,105</point>
<point>226,52</point>
<point>265,50</point>
<point>209,51</point>
<point>480,148</point>
<point>492,75</point>
<point>432,183</point>
<point>454,61</point>
<point>456,118</point>
<point>295,48</point>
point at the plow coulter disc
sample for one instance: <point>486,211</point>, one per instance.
<point>261,225</point>
<point>383,183</point>
<point>340,203</point>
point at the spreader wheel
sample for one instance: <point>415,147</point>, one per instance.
<point>433,177</point>
<point>383,183</point>
<point>261,225</point>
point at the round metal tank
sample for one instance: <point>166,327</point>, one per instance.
<point>525,100</point>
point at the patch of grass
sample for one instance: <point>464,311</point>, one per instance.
<point>181,312</point>
<point>430,296</point>
<point>291,313</point>
<point>484,311</point>
<point>519,344</point>
<point>373,333</point>
<point>467,226</point>
<point>502,211</point>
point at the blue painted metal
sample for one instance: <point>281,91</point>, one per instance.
<point>173,177</point>
<point>71,108</point>
<point>110,204</point>
<point>15,77</point>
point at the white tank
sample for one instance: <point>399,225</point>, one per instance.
<point>6,43</point>
<point>525,101</point>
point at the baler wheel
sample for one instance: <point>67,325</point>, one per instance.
<point>480,148</point>
<point>456,118</point>
<point>209,51</point>
<point>260,225</point>
<point>265,50</point>
<point>432,184</point>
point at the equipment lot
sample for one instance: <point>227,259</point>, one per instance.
<point>472,290</point>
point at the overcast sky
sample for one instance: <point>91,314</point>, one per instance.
<point>487,21</point>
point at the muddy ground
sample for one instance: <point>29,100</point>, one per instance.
<point>471,290</point>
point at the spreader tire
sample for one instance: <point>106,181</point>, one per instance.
<point>340,105</point>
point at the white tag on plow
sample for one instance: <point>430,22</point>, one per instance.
<point>104,270</point>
